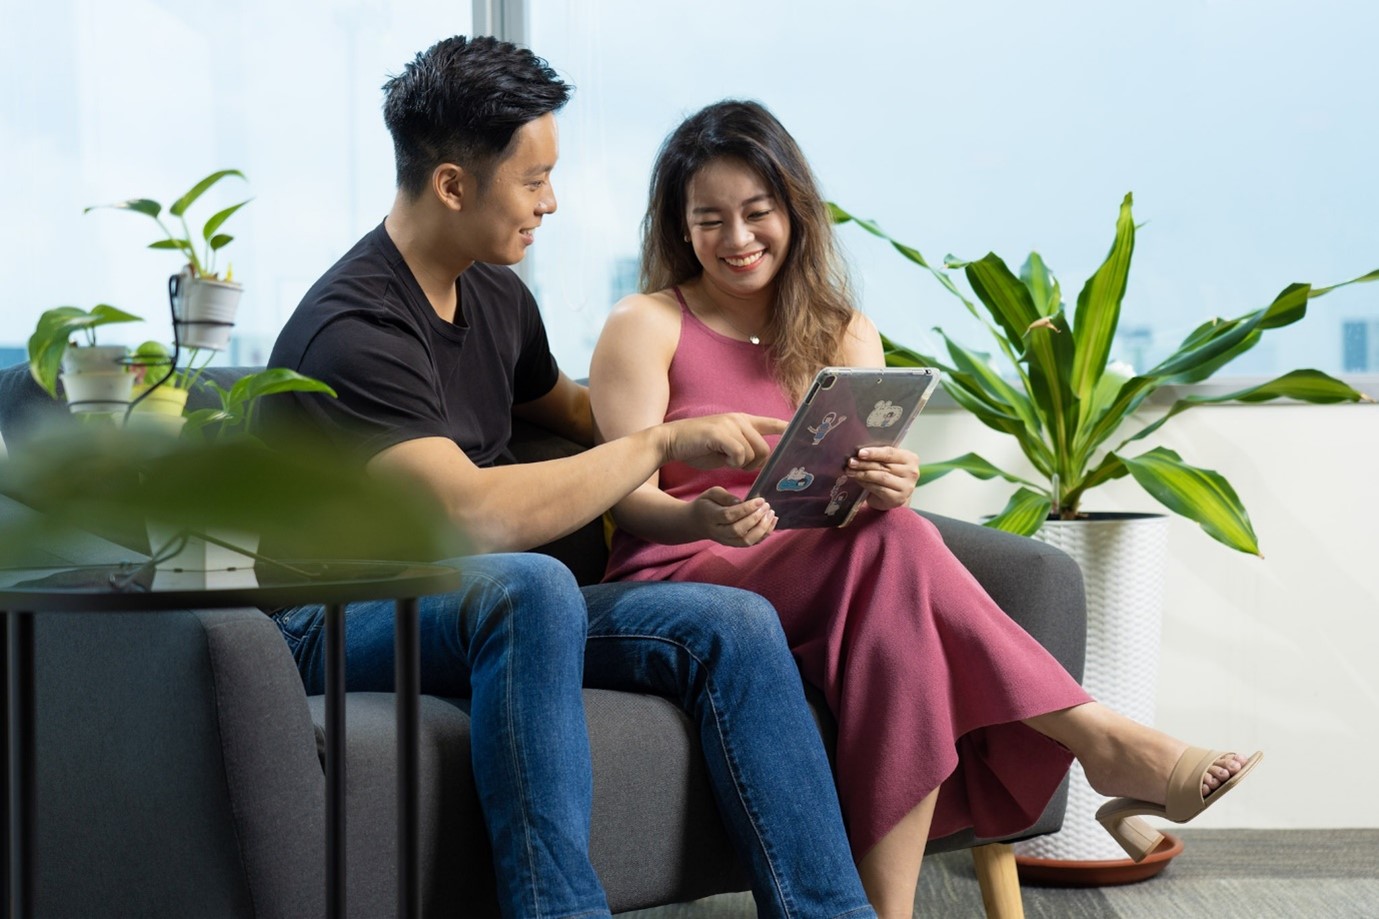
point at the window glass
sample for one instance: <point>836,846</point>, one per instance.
<point>142,98</point>
<point>1242,129</point>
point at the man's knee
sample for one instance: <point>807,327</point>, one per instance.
<point>744,625</point>
<point>525,591</point>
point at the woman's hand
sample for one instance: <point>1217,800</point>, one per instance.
<point>719,515</point>
<point>887,474</point>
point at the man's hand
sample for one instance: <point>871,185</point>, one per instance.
<point>712,441</point>
<point>720,516</point>
<point>888,474</point>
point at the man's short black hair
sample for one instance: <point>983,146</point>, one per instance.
<point>460,101</point>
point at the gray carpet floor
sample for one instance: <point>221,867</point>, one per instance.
<point>1222,874</point>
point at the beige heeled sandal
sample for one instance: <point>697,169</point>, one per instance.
<point>1120,816</point>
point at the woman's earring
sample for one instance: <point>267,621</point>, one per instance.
<point>686,237</point>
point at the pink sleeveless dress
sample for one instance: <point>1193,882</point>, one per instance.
<point>926,677</point>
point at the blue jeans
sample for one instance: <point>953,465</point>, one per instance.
<point>519,637</point>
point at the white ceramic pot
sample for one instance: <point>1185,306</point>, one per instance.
<point>104,391</point>
<point>95,359</point>
<point>204,311</point>
<point>196,554</point>
<point>1123,559</point>
<point>184,579</point>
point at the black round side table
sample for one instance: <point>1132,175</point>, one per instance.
<point>131,587</point>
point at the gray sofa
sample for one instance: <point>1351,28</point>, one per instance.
<point>179,770</point>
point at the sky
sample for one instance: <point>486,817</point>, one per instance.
<point>1244,130</point>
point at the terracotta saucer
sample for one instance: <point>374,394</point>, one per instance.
<point>1055,872</point>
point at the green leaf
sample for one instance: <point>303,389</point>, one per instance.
<point>179,207</point>
<point>841,216</point>
<point>237,403</point>
<point>313,503</point>
<point>171,244</point>
<point>1047,349</point>
<point>278,380</point>
<point>1098,308</point>
<point>1004,296</point>
<point>1303,385</point>
<point>1042,285</point>
<point>1201,495</point>
<point>1024,514</point>
<point>200,419</point>
<point>219,241</point>
<point>217,219</point>
<point>970,463</point>
<point>977,366</point>
<point>141,205</point>
<point>898,355</point>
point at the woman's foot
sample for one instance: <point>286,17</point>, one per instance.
<point>1153,774</point>
<point>1122,757</point>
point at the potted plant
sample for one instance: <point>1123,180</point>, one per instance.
<point>1076,417</point>
<point>95,378</point>
<point>204,304</point>
<point>159,398</point>
<point>1064,400</point>
<point>213,549</point>
<point>235,416</point>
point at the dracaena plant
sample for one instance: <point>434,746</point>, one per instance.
<point>1081,419</point>
<point>200,254</point>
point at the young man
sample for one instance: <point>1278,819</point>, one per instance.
<point>432,347</point>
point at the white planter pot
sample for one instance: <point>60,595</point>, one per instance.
<point>94,379</point>
<point>204,311</point>
<point>184,579</point>
<point>104,391</point>
<point>199,555</point>
<point>95,359</point>
<point>1123,559</point>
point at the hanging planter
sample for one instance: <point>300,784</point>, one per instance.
<point>203,302</point>
<point>203,310</point>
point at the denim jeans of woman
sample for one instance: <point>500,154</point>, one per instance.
<point>519,638</point>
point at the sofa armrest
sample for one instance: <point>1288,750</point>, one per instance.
<point>177,768</point>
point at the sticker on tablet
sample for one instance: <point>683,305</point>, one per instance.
<point>826,424</point>
<point>885,414</point>
<point>836,496</point>
<point>797,479</point>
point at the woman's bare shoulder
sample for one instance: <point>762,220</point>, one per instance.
<point>862,343</point>
<point>645,314</point>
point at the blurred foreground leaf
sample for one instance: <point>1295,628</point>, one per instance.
<point>303,503</point>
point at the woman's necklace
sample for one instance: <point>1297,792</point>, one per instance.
<point>723,314</point>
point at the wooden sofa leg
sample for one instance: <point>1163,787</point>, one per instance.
<point>1000,883</point>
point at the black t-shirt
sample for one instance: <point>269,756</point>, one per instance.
<point>399,370</point>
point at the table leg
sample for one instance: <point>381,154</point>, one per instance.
<point>5,766</point>
<point>407,689</point>
<point>20,656</point>
<point>335,761</point>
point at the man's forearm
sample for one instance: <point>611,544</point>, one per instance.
<point>526,505</point>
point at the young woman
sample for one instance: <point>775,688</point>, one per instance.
<point>949,715</point>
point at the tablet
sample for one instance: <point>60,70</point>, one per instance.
<point>845,409</point>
